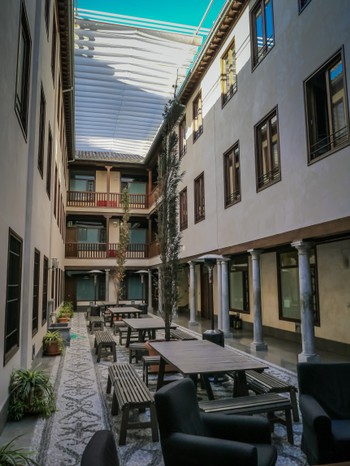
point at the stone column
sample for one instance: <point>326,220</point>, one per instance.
<point>160,304</point>
<point>219,293</point>
<point>192,294</point>
<point>108,182</point>
<point>149,307</point>
<point>225,300</point>
<point>257,344</point>
<point>107,285</point>
<point>306,309</point>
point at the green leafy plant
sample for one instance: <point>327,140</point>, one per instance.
<point>66,309</point>
<point>169,236</point>
<point>53,339</point>
<point>12,456</point>
<point>31,392</point>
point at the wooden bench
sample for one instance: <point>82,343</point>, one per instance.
<point>148,362</point>
<point>104,339</point>
<point>123,333</point>
<point>181,335</point>
<point>267,403</point>
<point>117,325</point>
<point>137,350</point>
<point>95,323</point>
<point>130,392</point>
<point>262,382</point>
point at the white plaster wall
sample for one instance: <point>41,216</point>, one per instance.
<point>302,44</point>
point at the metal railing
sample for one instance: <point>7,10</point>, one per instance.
<point>105,250</point>
<point>109,200</point>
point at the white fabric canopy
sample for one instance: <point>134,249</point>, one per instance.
<point>123,78</point>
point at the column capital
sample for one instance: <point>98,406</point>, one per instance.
<point>301,246</point>
<point>107,270</point>
<point>255,253</point>
<point>191,263</point>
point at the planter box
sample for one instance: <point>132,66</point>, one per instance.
<point>64,329</point>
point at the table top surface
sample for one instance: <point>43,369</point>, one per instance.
<point>147,323</point>
<point>124,310</point>
<point>203,357</point>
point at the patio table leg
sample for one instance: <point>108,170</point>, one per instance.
<point>240,386</point>
<point>161,371</point>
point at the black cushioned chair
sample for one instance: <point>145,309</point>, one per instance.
<point>324,401</point>
<point>101,450</point>
<point>189,437</point>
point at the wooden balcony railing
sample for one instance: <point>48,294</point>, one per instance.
<point>111,200</point>
<point>153,249</point>
<point>152,198</point>
<point>105,251</point>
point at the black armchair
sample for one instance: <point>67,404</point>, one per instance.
<point>324,401</point>
<point>190,438</point>
<point>101,450</point>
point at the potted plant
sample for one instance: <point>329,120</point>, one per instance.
<point>52,343</point>
<point>31,392</point>
<point>11,456</point>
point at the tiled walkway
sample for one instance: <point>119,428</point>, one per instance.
<point>83,406</point>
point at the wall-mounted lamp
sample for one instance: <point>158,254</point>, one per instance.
<point>54,263</point>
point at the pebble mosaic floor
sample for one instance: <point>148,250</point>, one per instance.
<point>84,407</point>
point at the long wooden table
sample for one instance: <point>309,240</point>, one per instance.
<point>144,325</point>
<point>123,312</point>
<point>192,357</point>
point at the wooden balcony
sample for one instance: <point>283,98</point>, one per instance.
<point>104,200</point>
<point>105,251</point>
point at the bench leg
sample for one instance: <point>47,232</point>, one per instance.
<point>293,400</point>
<point>154,424</point>
<point>124,425</point>
<point>289,426</point>
<point>99,349</point>
<point>109,385</point>
<point>114,351</point>
<point>115,406</point>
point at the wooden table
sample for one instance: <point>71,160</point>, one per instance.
<point>148,324</point>
<point>123,312</point>
<point>192,357</point>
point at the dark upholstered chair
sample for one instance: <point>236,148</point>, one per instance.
<point>324,401</point>
<point>101,450</point>
<point>189,437</point>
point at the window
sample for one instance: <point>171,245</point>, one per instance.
<point>23,71</point>
<point>13,296</point>
<point>289,295</point>
<point>197,117</point>
<point>53,49</point>
<point>36,282</point>
<point>41,132</point>
<point>45,290</point>
<point>326,108</point>
<point>182,138</point>
<point>239,284</point>
<point>232,176</point>
<point>267,151</point>
<point>183,209</point>
<point>49,163</point>
<point>262,30</point>
<point>47,15</point>
<point>199,199</point>
<point>228,74</point>
<point>303,4</point>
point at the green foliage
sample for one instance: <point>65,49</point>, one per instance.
<point>66,310</point>
<point>11,456</point>
<point>53,337</point>
<point>169,236</point>
<point>122,248</point>
<point>31,392</point>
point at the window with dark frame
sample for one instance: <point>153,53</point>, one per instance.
<point>288,280</point>
<point>42,119</point>
<point>182,138</point>
<point>303,4</point>
<point>183,209</point>
<point>45,290</point>
<point>55,197</point>
<point>23,71</point>
<point>263,38</point>
<point>49,164</point>
<point>239,284</point>
<point>232,176</point>
<point>268,169</point>
<point>197,117</point>
<point>53,49</point>
<point>228,74</point>
<point>326,109</point>
<point>199,199</point>
<point>13,296</point>
<point>36,285</point>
